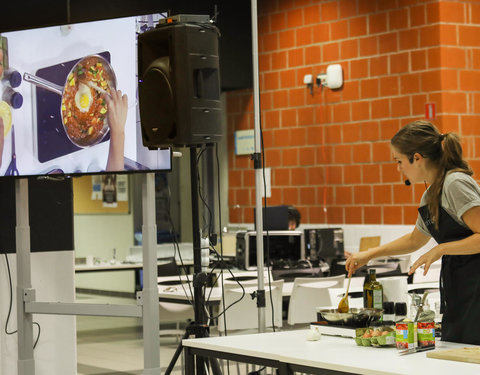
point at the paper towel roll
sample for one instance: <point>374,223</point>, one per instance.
<point>394,288</point>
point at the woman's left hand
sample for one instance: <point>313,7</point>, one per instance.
<point>426,260</point>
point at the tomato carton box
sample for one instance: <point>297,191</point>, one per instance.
<point>426,334</point>
<point>406,335</point>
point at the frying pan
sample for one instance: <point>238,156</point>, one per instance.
<point>353,318</point>
<point>85,140</point>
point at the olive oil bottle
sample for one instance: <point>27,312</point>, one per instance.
<point>373,292</point>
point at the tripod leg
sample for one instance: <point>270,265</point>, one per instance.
<point>216,370</point>
<point>177,353</point>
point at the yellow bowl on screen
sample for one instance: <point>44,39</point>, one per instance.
<point>6,115</point>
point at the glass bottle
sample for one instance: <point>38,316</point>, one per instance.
<point>373,292</point>
<point>366,281</point>
<point>388,311</point>
<point>400,311</point>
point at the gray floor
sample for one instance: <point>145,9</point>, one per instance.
<point>108,345</point>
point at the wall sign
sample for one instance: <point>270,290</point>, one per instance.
<point>244,142</point>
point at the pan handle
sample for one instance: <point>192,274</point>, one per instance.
<point>43,83</point>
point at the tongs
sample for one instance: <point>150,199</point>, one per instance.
<point>420,306</point>
<point>416,350</point>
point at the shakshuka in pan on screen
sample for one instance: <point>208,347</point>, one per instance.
<point>84,108</point>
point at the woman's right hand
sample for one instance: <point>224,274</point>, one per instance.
<point>357,260</point>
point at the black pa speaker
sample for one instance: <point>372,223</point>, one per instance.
<point>179,85</point>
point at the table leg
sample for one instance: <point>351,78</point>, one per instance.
<point>189,361</point>
<point>284,369</point>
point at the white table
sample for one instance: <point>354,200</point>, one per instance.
<point>290,351</point>
<point>118,266</point>
<point>175,293</point>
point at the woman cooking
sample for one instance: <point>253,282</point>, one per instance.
<point>450,213</point>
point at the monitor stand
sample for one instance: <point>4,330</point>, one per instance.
<point>147,300</point>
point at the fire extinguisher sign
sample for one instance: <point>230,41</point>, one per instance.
<point>430,112</point>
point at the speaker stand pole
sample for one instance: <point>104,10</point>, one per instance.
<point>257,161</point>
<point>198,301</point>
<point>199,328</point>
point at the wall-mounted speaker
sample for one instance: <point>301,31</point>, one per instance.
<point>179,84</point>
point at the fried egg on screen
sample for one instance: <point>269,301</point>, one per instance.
<point>83,98</point>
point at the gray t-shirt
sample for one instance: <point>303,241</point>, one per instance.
<point>460,193</point>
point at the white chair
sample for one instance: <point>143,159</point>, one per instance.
<point>242,313</point>
<point>173,312</point>
<point>244,277</point>
<point>308,294</point>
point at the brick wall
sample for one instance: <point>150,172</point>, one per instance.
<point>329,152</point>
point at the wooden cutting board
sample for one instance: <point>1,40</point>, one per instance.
<point>471,354</point>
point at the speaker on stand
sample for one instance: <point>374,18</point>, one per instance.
<point>179,84</point>
<point>179,100</point>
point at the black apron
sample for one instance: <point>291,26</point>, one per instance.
<point>459,282</point>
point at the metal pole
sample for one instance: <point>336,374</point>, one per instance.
<point>26,363</point>
<point>197,252</point>
<point>151,321</point>
<point>257,157</point>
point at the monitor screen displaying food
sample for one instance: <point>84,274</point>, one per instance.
<point>69,100</point>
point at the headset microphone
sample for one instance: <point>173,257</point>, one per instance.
<point>407,182</point>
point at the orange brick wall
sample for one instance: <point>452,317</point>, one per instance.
<point>329,152</point>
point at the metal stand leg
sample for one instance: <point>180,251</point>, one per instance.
<point>198,328</point>
<point>151,324</point>
<point>26,363</point>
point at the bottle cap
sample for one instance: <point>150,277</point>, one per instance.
<point>401,309</point>
<point>388,307</point>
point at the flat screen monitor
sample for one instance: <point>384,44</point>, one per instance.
<point>324,243</point>
<point>274,217</point>
<point>54,108</point>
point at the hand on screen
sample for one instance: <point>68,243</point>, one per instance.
<point>2,138</point>
<point>117,116</point>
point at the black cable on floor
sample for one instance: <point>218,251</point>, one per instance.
<point>10,306</point>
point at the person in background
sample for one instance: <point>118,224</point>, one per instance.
<point>117,116</point>
<point>450,213</point>
<point>294,218</point>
